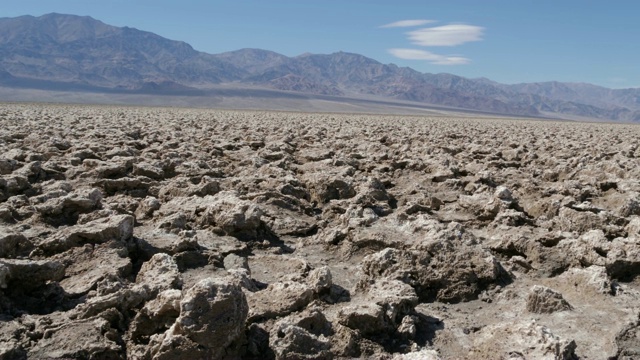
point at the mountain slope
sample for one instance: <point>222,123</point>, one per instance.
<point>65,48</point>
<point>80,53</point>
<point>580,92</point>
<point>344,73</point>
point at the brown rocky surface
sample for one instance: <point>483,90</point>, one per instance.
<point>165,233</point>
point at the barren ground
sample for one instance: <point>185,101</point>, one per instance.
<point>163,233</point>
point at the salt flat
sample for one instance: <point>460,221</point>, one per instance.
<point>169,233</point>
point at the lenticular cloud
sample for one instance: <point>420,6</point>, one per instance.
<point>407,23</point>
<point>446,35</point>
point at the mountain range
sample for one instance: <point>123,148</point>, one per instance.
<point>78,53</point>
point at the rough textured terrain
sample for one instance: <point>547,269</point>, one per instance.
<point>158,233</point>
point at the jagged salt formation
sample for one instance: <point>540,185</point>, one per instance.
<point>159,233</point>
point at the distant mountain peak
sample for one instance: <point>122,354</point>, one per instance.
<point>60,51</point>
<point>70,16</point>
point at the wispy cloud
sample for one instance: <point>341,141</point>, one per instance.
<point>437,59</point>
<point>407,23</point>
<point>446,35</point>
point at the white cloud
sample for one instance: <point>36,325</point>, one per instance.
<point>446,35</point>
<point>437,59</point>
<point>407,23</point>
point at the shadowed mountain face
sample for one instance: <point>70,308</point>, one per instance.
<point>73,49</point>
<point>67,52</point>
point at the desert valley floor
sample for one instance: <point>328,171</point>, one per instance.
<point>167,233</point>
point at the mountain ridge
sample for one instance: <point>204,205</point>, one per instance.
<point>58,50</point>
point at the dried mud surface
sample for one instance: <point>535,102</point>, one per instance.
<point>159,233</point>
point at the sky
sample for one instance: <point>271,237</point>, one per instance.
<point>509,41</point>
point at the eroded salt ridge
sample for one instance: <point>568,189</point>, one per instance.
<point>157,233</point>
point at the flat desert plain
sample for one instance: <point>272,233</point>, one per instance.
<point>166,233</point>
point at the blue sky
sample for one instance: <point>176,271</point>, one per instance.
<point>508,41</point>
